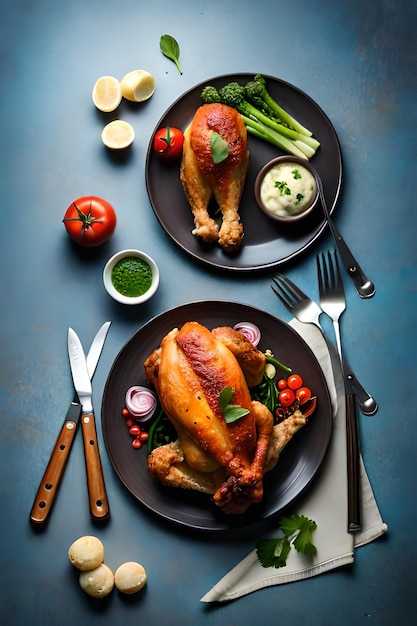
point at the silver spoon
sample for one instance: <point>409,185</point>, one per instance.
<point>364,286</point>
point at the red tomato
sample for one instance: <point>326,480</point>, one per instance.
<point>168,143</point>
<point>282,383</point>
<point>303,394</point>
<point>294,381</point>
<point>286,397</point>
<point>90,221</point>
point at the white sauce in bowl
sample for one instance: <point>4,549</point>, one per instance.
<point>288,189</point>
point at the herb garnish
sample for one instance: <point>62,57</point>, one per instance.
<point>170,48</point>
<point>282,188</point>
<point>219,147</point>
<point>231,412</point>
<point>297,531</point>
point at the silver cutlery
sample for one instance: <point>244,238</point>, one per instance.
<point>308,311</point>
<point>99,507</point>
<point>332,300</point>
<point>55,468</point>
<point>364,286</point>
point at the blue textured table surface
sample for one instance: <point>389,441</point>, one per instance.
<point>357,60</point>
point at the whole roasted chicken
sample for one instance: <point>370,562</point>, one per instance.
<point>202,178</point>
<point>227,460</point>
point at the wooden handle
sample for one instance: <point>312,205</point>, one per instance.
<point>353,463</point>
<point>51,479</point>
<point>97,494</point>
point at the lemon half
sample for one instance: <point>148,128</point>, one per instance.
<point>107,93</point>
<point>117,135</point>
<point>137,86</point>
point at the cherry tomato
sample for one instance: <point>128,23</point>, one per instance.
<point>282,383</point>
<point>303,394</point>
<point>294,381</point>
<point>143,436</point>
<point>134,430</point>
<point>286,397</point>
<point>136,443</point>
<point>168,143</point>
<point>90,221</point>
<point>125,412</point>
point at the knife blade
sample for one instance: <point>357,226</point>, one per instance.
<point>97,494</point>
<point>51,479</point>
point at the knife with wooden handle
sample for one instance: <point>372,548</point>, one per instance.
<point>99,507</point>
<point>55,468</point>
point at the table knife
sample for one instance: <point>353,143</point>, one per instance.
<point>55,468</point>
<point>99,507</point>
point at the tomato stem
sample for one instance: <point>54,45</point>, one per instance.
<point>86,219</point>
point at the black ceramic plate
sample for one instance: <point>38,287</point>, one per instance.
<point>266,244</point>
<point>299,461</point>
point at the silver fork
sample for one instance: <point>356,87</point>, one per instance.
<point>308,311</point>
<point>332,300</point>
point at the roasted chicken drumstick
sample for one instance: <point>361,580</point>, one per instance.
<point>202,178</point>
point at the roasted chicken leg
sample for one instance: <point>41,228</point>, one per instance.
<point>203,179</point>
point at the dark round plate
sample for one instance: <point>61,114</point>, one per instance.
<point>299,461</point>
<point>266,243</point>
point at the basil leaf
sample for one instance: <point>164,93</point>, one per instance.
<point>219,148</point>
<point>170,48</point>
<point>231,412</point>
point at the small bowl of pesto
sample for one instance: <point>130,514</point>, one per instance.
<point>131,277</point>
<point>286,189</point>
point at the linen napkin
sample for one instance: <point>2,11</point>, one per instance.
<point>325,502</point>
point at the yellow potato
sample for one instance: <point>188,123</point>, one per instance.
<point>107,93</point>
<point>118,135</point>
<point>137,86</point>
<point>86,553</point>
<point>130,577</point>
<point>98,582</point>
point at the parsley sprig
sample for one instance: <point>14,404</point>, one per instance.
<point>297,531</point>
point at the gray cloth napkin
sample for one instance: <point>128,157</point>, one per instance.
<point>325,502</point>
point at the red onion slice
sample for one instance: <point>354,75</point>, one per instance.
<point>140,402</point>
<point>250,330</point>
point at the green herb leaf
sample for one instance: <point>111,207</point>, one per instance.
<point>231,412</point>
<point>273,552</point>
<point>283,188</point>
<point>297,531</point>
<point>170,48</point>
<point>296,174</point>
<point>304,527</point>
<point>219,147</point>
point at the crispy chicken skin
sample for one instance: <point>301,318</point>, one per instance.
<point>189,370</point>
<point>203,179</point>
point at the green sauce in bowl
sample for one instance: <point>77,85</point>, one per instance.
<point>132,277</point>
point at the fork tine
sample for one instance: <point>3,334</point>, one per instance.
<point>288,288</point>
<point>281,294</point>
<point>319,260</point>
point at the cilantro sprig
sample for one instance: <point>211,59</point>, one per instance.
<point>297,531</point>
<point>231,412</point>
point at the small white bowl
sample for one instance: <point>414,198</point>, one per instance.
<point>110,288</point>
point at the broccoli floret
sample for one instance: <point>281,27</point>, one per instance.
<point>210,95</point>
<point>256,92</point>
<point>253,94</point>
